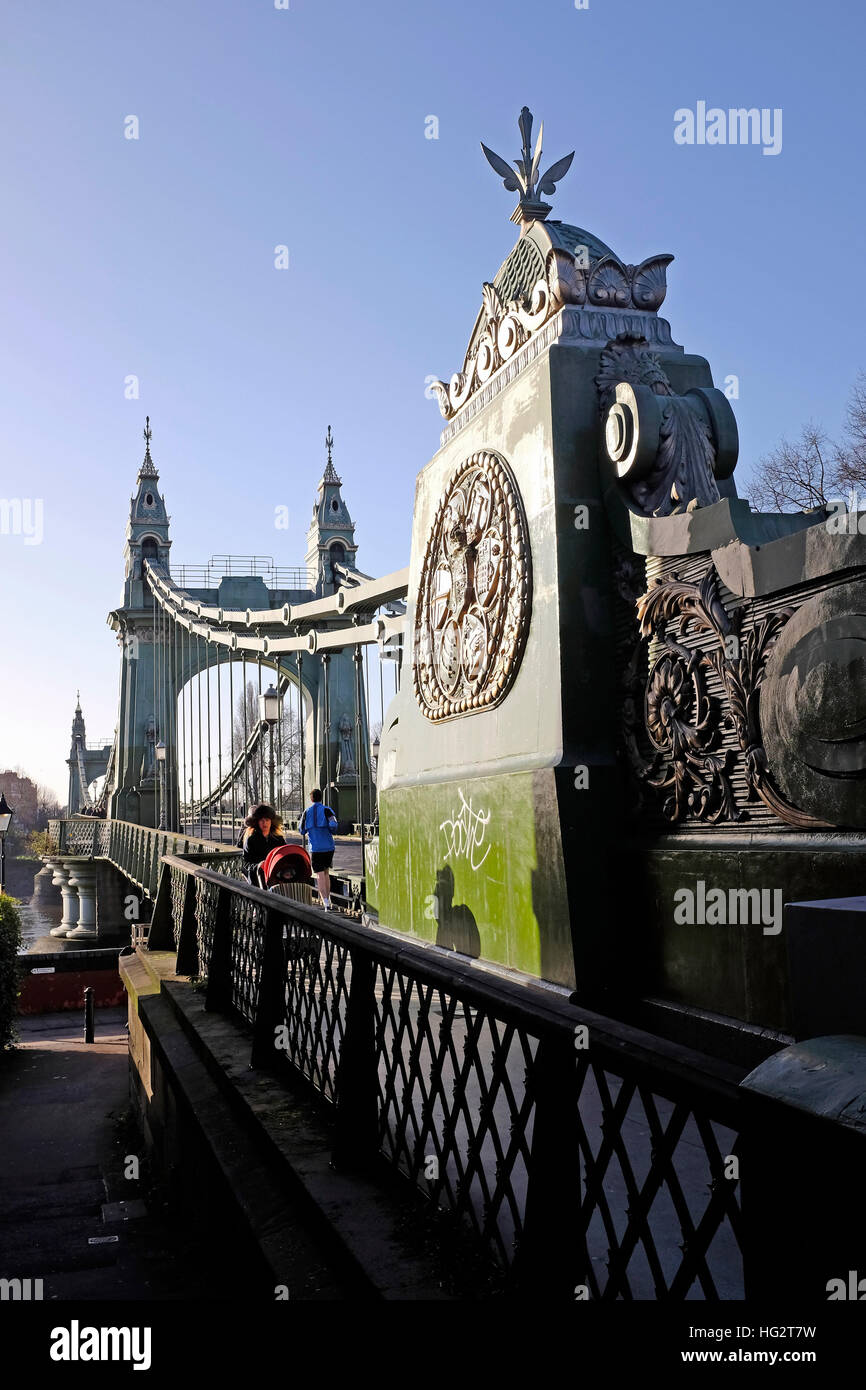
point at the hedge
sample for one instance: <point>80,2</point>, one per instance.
<point>10,942</point>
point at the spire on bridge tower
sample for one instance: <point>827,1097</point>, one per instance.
<point>330,473</point>
<point>147,529</point>
<point>78,730</point>
<point>147,469</point>
<point>331,537</point>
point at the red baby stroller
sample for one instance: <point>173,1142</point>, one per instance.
<point>288,871</point>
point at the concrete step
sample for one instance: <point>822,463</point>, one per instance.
<point>273,1148</point>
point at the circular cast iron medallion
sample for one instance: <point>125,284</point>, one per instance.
<point>475,595</point>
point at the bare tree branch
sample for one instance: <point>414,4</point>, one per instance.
<point>813,470</point>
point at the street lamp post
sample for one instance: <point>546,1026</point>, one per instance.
<point>269,713</point>
<point>6,814</point>
<point>160,763</point>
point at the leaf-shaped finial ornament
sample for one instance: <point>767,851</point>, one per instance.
<point>505,171</point>
<point>523,176</point>
<point>547,183</point>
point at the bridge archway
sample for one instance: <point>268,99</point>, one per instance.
<point>192,677</point>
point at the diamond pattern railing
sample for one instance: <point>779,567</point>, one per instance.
<point>206,899</point>
<point>453,1102</point>
<point>249,920</point>
<point>474,1090</point>
<point>316,999</point>
<point>177,885</point>
<point>660,1220</point>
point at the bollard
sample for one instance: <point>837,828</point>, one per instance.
<point>88,1014</point>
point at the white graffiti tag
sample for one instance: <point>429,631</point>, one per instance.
<point>373,862</point>
<point>464,833</point>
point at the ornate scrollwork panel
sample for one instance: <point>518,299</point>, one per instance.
<point>680,721</point>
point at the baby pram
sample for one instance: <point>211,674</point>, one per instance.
<point>288,871</point>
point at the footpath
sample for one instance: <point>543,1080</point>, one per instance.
<point>69,1214</point>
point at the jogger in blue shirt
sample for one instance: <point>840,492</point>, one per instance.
<point>317,823</point>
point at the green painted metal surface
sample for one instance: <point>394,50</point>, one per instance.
<point>475,865</point>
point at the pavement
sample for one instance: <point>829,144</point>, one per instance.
<point>68,1216</point>
<point>71,1215</point>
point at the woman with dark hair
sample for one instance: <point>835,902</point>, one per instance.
<point>262,832</point>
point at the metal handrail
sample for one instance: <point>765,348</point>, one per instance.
<point>494,1089</point>
<point>295,577</point>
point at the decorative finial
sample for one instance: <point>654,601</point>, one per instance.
<point>147,468</point>
<point>330,475</point>
<point>525,180</point>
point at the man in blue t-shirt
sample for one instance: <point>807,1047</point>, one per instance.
<point>317,823</point>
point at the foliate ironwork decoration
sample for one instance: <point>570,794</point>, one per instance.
<point>524,177</point>
<point>506,326</point>
<point>614,285</point>
<point>683,722</point>
<point>668,450</point>
<point>475,594</point>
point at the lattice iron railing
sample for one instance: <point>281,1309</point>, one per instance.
<point>601,1165</point>
<point>136,850</point>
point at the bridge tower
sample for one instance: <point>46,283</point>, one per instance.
<point>331,543</point>
<point>331,535</point>
<point>134,797</point>
<point>93,761</point>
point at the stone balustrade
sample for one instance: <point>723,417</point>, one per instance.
<point>101,865</point>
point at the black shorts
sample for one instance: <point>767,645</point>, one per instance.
<point>322,859</point>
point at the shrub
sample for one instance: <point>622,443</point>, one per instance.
<point>10,941</point>
<point>38,843</point>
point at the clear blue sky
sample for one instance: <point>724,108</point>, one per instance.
<point>305,127</point>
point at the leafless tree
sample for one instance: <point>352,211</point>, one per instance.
<point>813,470</point>
<point>796,476</point>
<point>246,720</point>
<point>47,806</point>
<point>287,751</point>
<point>851,454</point>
